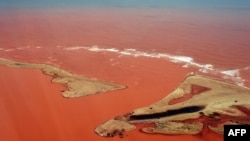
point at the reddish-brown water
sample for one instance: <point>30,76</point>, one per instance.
<point>32,108</point>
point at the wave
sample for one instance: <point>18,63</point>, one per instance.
<point>186,61</point>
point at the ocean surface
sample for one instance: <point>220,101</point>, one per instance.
<point>150,46</point>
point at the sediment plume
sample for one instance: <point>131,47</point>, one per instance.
<point>77,85</point>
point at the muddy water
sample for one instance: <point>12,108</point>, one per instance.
<point>32,107</point>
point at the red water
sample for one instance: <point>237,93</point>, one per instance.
<point>195,89</point>
<point>32,108</point>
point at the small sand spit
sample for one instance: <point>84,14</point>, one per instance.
<point>77,85</point>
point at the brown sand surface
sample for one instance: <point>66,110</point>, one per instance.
<point>76,85</point>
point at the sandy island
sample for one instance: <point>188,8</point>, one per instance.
<point>76,85</point>
<point>198,103</point>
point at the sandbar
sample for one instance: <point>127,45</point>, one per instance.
<point>77,85</point>
<point>199,103</point>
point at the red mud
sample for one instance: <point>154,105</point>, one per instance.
<point>244,118</point>
<point>32,108</point>
<point>195,89</point>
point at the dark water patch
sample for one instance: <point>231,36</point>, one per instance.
<point>190,109</point>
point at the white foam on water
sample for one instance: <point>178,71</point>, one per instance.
<point>8,50</point>
<point>234,73</point>
<point>246,68</point>
<point>187,61</point>
<point>74,48</point>
<point>20,48</point>
<point>23,48</point>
